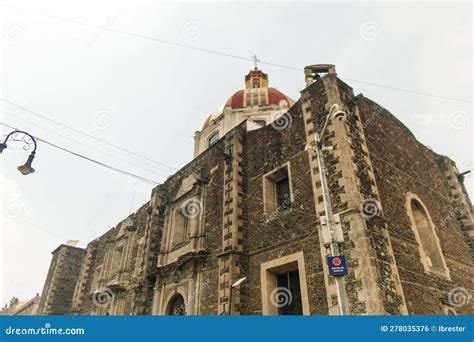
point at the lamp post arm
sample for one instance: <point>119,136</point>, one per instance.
<point>24,133</point>
<point>331,112</point>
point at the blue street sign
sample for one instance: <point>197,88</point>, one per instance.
<point>337,265</point>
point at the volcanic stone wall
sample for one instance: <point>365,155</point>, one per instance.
<point>401,165</point>
<point>374,162</point>
<point>57,295</point>
<point>92,282</point>
<point>89,278</point>
<point>278,234</point>
<point>209,170</point>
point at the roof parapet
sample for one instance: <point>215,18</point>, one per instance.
<point>312,72</point>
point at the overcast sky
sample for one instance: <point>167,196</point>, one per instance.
<point>149,97</point>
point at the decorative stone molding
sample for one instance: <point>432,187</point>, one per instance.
<point>232,259</point>
<point>434,240</point>
<point>268,282</point>
<point>462,210</point>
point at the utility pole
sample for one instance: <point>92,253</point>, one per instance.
<point>341,290</point>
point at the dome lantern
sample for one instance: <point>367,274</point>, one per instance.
<point>257,103</point>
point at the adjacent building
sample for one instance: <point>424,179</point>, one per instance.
<point>17,307</point>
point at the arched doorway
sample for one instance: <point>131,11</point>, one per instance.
<point>177,306</point>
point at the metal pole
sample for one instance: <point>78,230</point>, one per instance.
<point>230,300</point>
<point>341,290</point>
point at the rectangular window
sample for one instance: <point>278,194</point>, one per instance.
<point>213,139</point>
<point>248,98</point>
<point>254,99</point>
<point>263,98</point>
<point>289,293</point>
<point>277,190</point>
<point>116,259</point>
<point>284,287</point>
<point>180,228</point>
<point>282,188</point>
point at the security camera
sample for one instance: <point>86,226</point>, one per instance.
<point>339,115</point>
<point>328,148</point>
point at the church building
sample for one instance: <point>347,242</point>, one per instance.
<point>239,229</point>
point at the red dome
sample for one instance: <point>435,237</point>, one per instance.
<point>274,98</point>
<point>236,101</point>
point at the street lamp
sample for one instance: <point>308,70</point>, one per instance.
<point>237,283</point>
<point>27,140</point>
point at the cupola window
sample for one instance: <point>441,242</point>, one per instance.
<point>213,139</point>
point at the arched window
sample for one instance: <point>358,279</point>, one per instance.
<point>430,249</point>
<point>213,139</point>
<point>177,306</point>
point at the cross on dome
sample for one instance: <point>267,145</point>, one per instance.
<point>255,60</point>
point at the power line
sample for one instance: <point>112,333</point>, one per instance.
<point>120,148</point>
<point>45,230</point>
<point>151,182</point>
<point>431,188</point>
<point>80,143</point>
<point>224,54</point>
<point>170,167</point>
<point>84,134</point>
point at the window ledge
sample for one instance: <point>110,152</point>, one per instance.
<point>438,272</point>
<point>179,245</point>
<point>277,214</point>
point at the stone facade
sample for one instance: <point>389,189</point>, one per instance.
<point>406,219</point>
<point>402,165</point>
<point>63,274</point>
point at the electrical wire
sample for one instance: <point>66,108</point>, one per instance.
<point>84,133</point>
<point>122,149</point>
<point>224,54</point>
<point>80,143</point>
<point>171,167</point>
<point>151,182</point>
